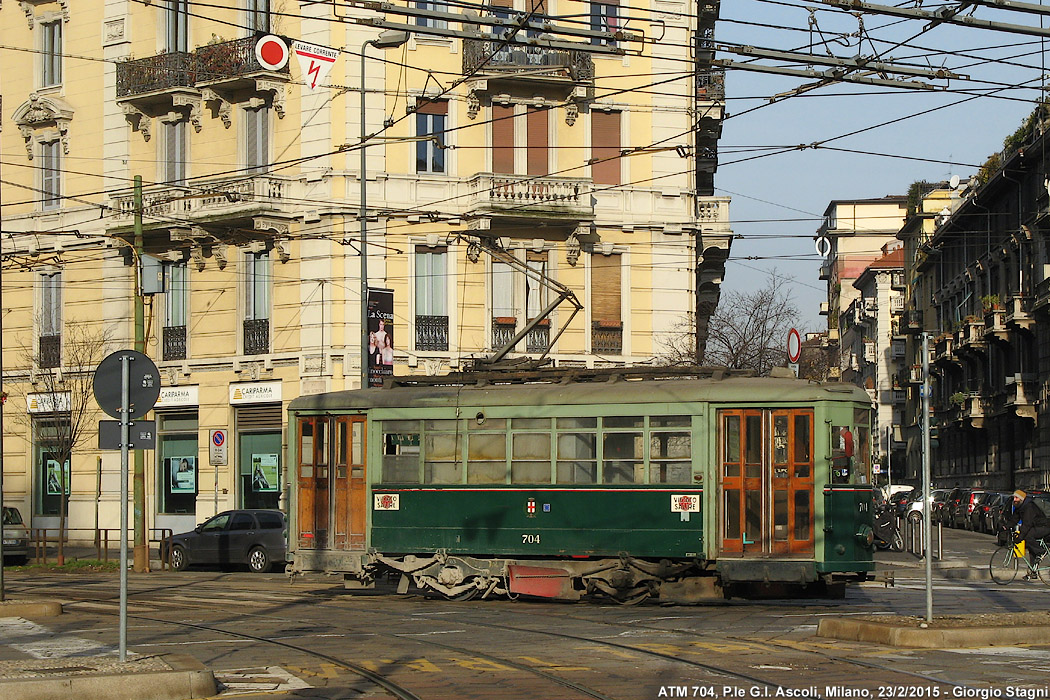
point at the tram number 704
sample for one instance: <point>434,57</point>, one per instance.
<point>530,539</point>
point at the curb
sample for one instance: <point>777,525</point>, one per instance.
<point>25,608</point>
<point>931,638</point>
<point>188,678</point>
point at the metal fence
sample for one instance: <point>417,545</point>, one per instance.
<point>43,543</point>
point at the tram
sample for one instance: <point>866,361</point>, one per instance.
<point>622,484</point>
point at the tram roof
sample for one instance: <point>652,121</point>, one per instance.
<point>720,389</point>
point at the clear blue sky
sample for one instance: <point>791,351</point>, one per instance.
<point>778,200</point>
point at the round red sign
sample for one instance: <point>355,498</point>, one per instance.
<point>794,345</point>
<point>271,52</point>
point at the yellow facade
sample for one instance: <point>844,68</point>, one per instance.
<point>250,212</point>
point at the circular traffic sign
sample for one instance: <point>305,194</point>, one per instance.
<point>794,345</point>
<point>218,438</point>
<point>823,246</point>
<point>143,383</point>
<point>271,52</point>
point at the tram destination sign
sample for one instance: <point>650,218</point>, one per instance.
<point>143,383</point>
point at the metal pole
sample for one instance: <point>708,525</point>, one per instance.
<point>927,506</point>
<point>363,219</point>
<point>125,388</point>
<point>2,598</point>
<point>889,458</point>
<point>141,553</point>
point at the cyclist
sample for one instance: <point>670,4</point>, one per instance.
<point>1033,525</point>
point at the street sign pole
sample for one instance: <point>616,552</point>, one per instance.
<point>125,389</point>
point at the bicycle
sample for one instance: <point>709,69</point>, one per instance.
<point>1003,565</point>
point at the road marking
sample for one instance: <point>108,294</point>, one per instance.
<point>41,643</point>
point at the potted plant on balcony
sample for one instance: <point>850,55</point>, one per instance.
<point>990,302</point>
<point>958,398</point>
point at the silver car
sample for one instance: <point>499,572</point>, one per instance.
<point>915,506</point>
<point>16,537</point>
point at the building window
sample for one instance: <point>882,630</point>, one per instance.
<point>256,140</point>
<point>429,21</point>
<point>536,141</point>
<point>178,469</point>
<point>51,54</point>
<point>604,19</point>
<point>50,175</point>
<point>504,314</point>
<point>257,303</point>
<point>536,300</point>
<point>431,302</point>
<point>431,118</point>
<point>605,147</point>
<point>174,144</point>
<point>176,25</point>
<point>50,315</point>
<point>258,15</point>
<point>606,320</point>
<point>176,301</point>
<point>502,139</point>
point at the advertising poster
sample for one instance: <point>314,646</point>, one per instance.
<point>183,472</point>
<point>54,483</point>
<point>380,335</point>
<point>264,473</point>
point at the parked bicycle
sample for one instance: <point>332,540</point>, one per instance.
<point>1006,561</point>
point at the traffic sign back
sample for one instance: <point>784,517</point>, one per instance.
<point>143,389</point>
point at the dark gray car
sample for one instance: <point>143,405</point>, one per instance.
<point>253,537</point>
<point>16,536</point>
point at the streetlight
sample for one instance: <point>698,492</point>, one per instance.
<point>389,39</point>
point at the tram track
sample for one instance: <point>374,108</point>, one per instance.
<point>889,674</point>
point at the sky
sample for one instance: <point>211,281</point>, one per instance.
<point>778,200</point>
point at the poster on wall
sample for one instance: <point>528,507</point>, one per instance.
<point>264,473</point>
<point>183,472</point>
<point>380,335</point>
<point>54,477</point>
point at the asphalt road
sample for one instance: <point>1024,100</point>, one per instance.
<point>309,638</point>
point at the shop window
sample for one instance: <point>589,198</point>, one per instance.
<point>178,476</point>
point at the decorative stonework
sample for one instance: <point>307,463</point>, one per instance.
<point>572,249</point>
<point>277,89</point>
<point>41,112</point>
<point>264,223</point>
<point>28,5</point>
<point>194,103</point>
<point>473,105</point>
<point>114,31</point>
<point>138,119</point>
<point>223,109</point>
<point>572,111</point>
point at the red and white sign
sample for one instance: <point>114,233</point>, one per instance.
<point>271,52</point>
<point>315,61</point>
<point>530,507</point>
<point>387,501</point>
<point>794,346</point>
<point>685,503</point>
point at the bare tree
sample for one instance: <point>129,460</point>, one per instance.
<point>749,330</point>
<point>66,394</point>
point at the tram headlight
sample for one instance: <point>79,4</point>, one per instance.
<point>865,535</point>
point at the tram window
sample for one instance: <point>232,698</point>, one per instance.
<point>802,516</point>
<point>732,514</point>
<point>442,455</point>
<point>306,441</point>
<point>753,447</point>
<point>803,453</point>
<point>670,458</point>
<point>577,423</point>
<point>530,458</point>
<point>780,515</point>
<point>669,421</point>
<point>400,458</point>
<point>780,445</point>
<point>531,423</point>
<point>623,459</point>
<point>445,424</point>
<point>623,422</point>
<point>487,423</point>
<point>577,458</point>
<point>732,445</point>
<point>487,458</point>
<point>753,514</point>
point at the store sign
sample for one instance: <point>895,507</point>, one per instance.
<point>255,392</point>
<point>175,396</point>
<point>51,402</point>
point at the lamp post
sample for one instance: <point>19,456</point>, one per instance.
<point>389,39</point>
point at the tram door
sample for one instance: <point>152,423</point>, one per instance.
<point>766,474</point>
<point>331,482</point>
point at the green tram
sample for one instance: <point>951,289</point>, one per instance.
<point>552,485</point>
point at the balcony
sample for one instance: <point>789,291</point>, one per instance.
<point>607,337</point>
<point>495,63</point>
<point>995,324</point>
<point>173,340</point>
<point>503,330</point>
<point>912,320</point>
<point>50,351</point>
<point>1018,312</point>
<point>539,338</point>
<point>148,80</point>
<point>915,374</point>
<point>942,348</point>
<point>1022,395</point>
<point>256,336</point>
<point>232,65</point>
<point>896,350</point>
<point>525,198</point>
<point>432,333</point>
<point>970,336</point>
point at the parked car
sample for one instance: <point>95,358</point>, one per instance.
<point>961,514</point>
<point>916,504</point>
<point>944,513</point>
<point>899,501</point>
<point>257,538</point>
<point>981,508</point>
<point>16,537</point>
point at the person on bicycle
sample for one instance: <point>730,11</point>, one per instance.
<point>1032,526</point>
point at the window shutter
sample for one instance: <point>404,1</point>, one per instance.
<point>605,287</point>
<point>539,7</point>
<point>502,139</point>
<point>605,147</point>
<point>425,106</point>
<point>536,142</point>
<point>502,3</point>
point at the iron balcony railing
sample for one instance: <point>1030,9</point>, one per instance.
<point>174,341</point>
<point>607,337</point>
<point>538,339</point>
<point>503,329</point>
<point>50,351</point>
<point>256,336</point>
<point>161,72</point>
<point>431,332</point>
<point>229,59</point>
<point>486,57</point>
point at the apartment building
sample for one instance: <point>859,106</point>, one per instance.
<point>499,178</point>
